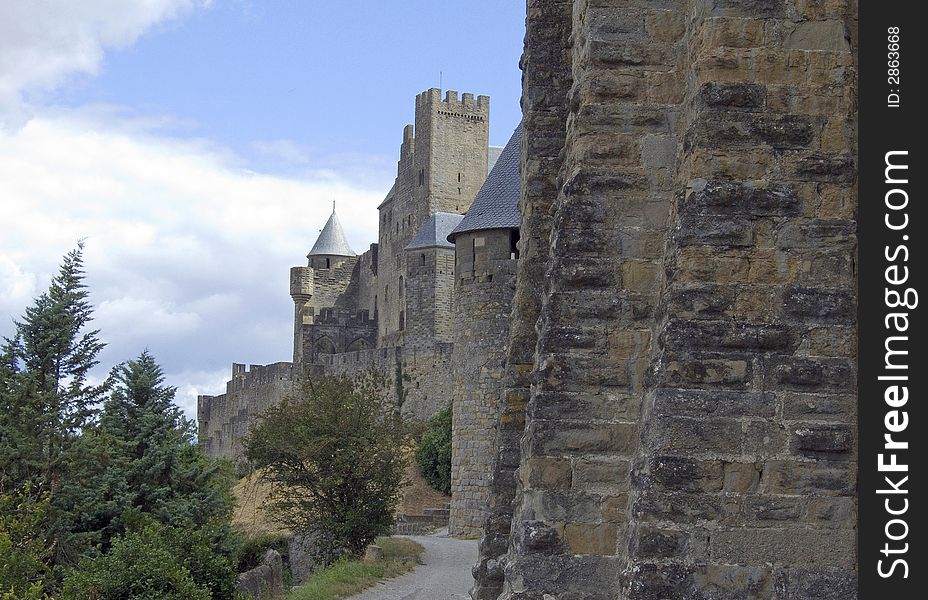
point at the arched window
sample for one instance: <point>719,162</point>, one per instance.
<point>358,344</point>
<point>324,345</point>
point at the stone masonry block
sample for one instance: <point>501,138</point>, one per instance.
<point>813,440</point>
<point>726,335</point>
<point>731,197</point>
<point>653,542</point>
<point>808,478</point>
<point>686,474</point>
<point>800,547</point>
<point>713,403</point>
<point>693,371</point>
<point>820,305</point>
<point>828,36</point>
<point>554,438</point>
<point>810,374</point>
<point>608,476</point>
<point>826,583</point>
<point>747,96</point>
<point>598,539</point>
<point>819,407</point>
<point>714,581</point>
<point>546,473</point>
<point>679,434</point>
<point>679,507</point>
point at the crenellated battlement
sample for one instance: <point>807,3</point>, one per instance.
<point>256,375</point>
<point>341,316</point>
<point>465,107</point>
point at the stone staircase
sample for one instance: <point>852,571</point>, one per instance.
<point>430,520</point>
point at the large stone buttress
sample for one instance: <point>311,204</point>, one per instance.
<point>689,429</point>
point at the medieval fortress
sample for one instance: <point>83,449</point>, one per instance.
<point>427,305</point>
<point>644,320</point>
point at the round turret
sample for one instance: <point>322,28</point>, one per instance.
<point>331,247</point>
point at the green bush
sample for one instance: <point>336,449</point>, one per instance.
<point>434,452</point>
<point>334,452</point>
<point>152,562</point>
<point>24,552</point>
<point>141,565</point>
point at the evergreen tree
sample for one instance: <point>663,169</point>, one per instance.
<point>43,380</point>
<point>140,458</point>
<point>169,476</point>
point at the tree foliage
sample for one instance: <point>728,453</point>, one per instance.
<point>141,457</point>
<point>334,451</point>
<point>434,452</point>
<point>44,393</point>
<point>74,477</point>
<point>23,547</point>
<point>142,565</point>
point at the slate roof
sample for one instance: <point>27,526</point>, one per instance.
<point>331,240</point>
<point>493,155</point>
<point>497,203</point>
<point>434,232</point>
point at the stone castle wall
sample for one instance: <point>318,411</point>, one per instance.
<point>224,419</point>
<point>424,375</point>
<point>484,286</point>
<point>689,426</point>
<point>378,310</point>
<point>429,296</point>
<point>441,168</point>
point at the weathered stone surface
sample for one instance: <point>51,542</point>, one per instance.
<point>815,584</point>
<point>830,36</point>
<point>733,95</point>
<point>265,581</point>
<point>794,546</point>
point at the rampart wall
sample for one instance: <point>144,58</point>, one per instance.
<point>689,426</point>
<point>224,419</point>
<point>483,301</point>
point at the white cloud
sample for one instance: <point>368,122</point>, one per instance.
<point>16,286</point>
<point>42,42</point>
<point>195,383</point>
<point>186,252</point>
<point>188,245</point>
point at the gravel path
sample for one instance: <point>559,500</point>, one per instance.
<point>444,574</point>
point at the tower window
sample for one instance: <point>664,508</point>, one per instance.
<point>423,259</point>
<point>328,263</point>
<point>421,176</point>
<point>459,177</point>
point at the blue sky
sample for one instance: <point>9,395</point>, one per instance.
<point>335,78</point>
<point>197,146</point>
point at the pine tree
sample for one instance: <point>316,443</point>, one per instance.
<point>168,474</point>
<point>140,459</point>
<point>44,379</point>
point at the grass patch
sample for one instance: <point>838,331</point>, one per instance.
<point>346,577</point>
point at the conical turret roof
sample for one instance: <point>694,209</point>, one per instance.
<point>434,232</point>
<point>331,240</point>
<point>497,203</point>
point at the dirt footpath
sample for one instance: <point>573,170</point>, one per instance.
<point>445,574</point>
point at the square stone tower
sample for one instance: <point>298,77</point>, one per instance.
<point>443,163</point>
